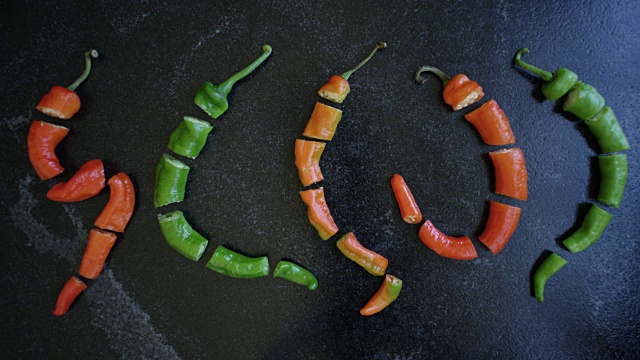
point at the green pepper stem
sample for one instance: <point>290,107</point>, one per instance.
<point>226,86</point>
<point>380,45</point>
<point>545,75</point>
<point>87,68</point>
<point>445,79</point>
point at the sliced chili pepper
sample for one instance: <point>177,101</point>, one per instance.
<point>295,273</point>
<point>556,84</point>
<point>387,294</point>
<point>371,261</point>
<point>70,291</point>
<point>409,209</point>
<point>583,101</point>
<point>319,214</point>
<point>190,137</point>
<point>230,263</point>
<point>337,88</point>
<point>179,234</point>
<point>64,103</point>
<point>86,183</point>
<point>614,170</point>
<point>323,122</point>
<point>213,99</point>
<point>492,124</point>
<point>459,248</point>
<point>551,265</point>
<point>590,231</point>
<point>41,144</point>
<point>604,125</point>
<point>122,200</point>
<point>98,248</point>
<point>502,223</point>
<point>308,155</point>
<point>511,173</point>
<point>459,91</point>
<point>171,181</point>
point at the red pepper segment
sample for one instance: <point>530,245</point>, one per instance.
<point>69,293</point>
<point>461,92</point>
<point>511,173</point>
<point>41,144</point>
<point>336,89</point>
<point>459,248</point>
<point>492,124</point>
<point>408,207</point>
<point>98,248</point>
<point>502,223</point>
<point>86,183</point>
<point>308,155</point>
<point>323,122</point>
<point>319,214</point>
<point>387,294</point>
<point>371,261</point>
<point>122,200</point>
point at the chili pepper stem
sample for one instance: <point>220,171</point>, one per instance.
<point>380,45</point>
<point>226,86</point>
<point>545,75</point>
<point>87,68</point>
<point>445,79</point>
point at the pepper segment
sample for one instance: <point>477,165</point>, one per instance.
<point>189,137</point>
<point>387,294</point>
<point>295,273</point>
<point>459,91</point>
<point>551,265</point>
<point>590,231</point>
<point>122,200</point>
<point>492,124</point>
<point>70,291</point>
<point>98,248</point>
<point>502,223</point>
<point>319,214</point>
<point>86,183</point>
<point>409,209</point>
<point>171,181</point>
<point>583,101</point>
<point>230,263</point>
<point>556,84</point>
<point>511,173</point>
<point>604,125</point>
<point>41,145</point>
<point>308,155</point>
<point>371,261</point>
<point>458,248</point>
<point>323,122</point>
<point>213,99</point>
<point>613,178</point>
<point>64,103</point>
<point>179,234</point>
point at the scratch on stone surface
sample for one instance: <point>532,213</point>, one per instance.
<point>14,125</point>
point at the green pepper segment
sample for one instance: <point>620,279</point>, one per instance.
<point>179,234</point>
<point>583,101</point>
<point>230,263</point>
<point>171,181</point>
<point>213,99</point>
<point>604,125</point>
<point>295,273</point>
<point>556,84</point>
<point>551,265</point>
<point>590,231</point>
<point>189,137</point>
<point>614,170</point>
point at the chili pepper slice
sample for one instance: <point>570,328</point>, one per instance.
<point>551,265</point>
<point>583,101</point>
<point>171,181</point>
<point>492,124</point>
<point>409,209</point>
<point>502,223</point>
<point>614,170</point>
<point>213,99</point>
<point>459,248</point>
<point>319,214</point>
<point>122,199</point>
<point>323,122</point>
<point>41,145</point>
<point>387,294</point>
<point>371,261</point>
<point>337,88</point>
<point>98,248</point>
<point>590,231</point>
<point>189,137</point>
<point>64,103</point>
<point>308,155</point>
<point>230,263</point>
<point>556,84</point>
<point>296,273</point>
<point>511,173</point>
<point>70,291</point>
<point>179,234</point>
<point>86,183</point>
<point>459,91</point>
<point>604,125</point>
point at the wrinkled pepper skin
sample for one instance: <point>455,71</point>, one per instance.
<point>98,248</point>
<point>319,214</point>
<point>70,291</point>
<point>583,101</point>
<point>590,231</point>
<point>458,248</point>
<point>308,155</point>
<point>409,209</point>
<point>86,183</point>
<point>122,200</point>
<point>189,137</point>
<point>230,263</point>
<point>604,125</point>
<point>614,171</point>
<point>296,273</point>
<point>374,263</point>
<point>492,124</point>
<point>41,145</point>
<point>388,293</point>
<point>511,173</point>
<point>556,84</point>
<point>502,223</point>
<point>179,234</point>
<point>171,181</point>
<point>460,92</point>
<point>551,265</point>
<point>323,122</point>
<point>336,89</point>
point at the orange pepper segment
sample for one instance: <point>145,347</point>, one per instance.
<point>459,248</point>
<point>409,209</point>
<point>336,89</point>
<point>492,124</point>
<point>319,214</point>
<point>387,294</point>
<point>98,248</point>
<point>122,200</point>
<point>461,92</point>
<point>41,144</point>
<point>502,223</point>
<point>323,122</point>
<point>59,102</point>
<point>308,155</point>
<point>511,173</point>
<point>70,291</point>
<point>371,261</point>
<point>86,183</point>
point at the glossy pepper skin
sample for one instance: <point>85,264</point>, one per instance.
<point>63,103</point>
<point>502,223</point>
<point>122,200</point>
<point>98,248</point>
<point>583,101</point>
<point>230,263</point>
<point>551,265</point>
<point>614,171</point>
<point>41,145</point>
<point>387,294</point>
<point>73,287</point>
<point>590,231</point>
<point>189,137</point>
<point>492,124</point>
<point>323,122</point>
<point>374,263</point>
<point>556,84</point>
<point>604,125</point>
<point>458,248</point>
<point>409,209</point>
<point>308,155</point>
<point>171,181</point>
<point>459,91</point>
<point>295,273</point>
<point>511,173</point>
<point>179,234</point>
<point>86,183</point>
<point>318,212</point>
<point>213,99</point>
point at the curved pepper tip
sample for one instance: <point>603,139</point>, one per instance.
<point>267,47</point>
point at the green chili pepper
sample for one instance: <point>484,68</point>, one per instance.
<point>189,137</point>
<point>171,180</point>
<point>583,101</point>
<point>230,263</point>
<point>556,84</point>
<point>613,177</point>
<point>549,266</point>
<point>590,231</point>
<point>180,235</point>
<point>296,273</point>
<point>604,125</point>
<point>213,99</point>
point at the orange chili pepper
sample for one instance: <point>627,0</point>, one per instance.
<point>319,214</point>
<point>308,155</point>
<point>511,173</point>
<point>69,293</point>
<point>41,144</point>
<point>98,248</point>
<point>371,261</point>
<point>323,122</point>
<point>492,124</point>
<point>408,207</point>
<point>387,294</point>
<point>459,248</point>
<point>459,91</point>
<point>122,200</point>
<point>502,223</point>
<point>87,182</point>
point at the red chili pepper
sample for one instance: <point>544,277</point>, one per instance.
<point>69,293</point>
<point>122,200</point>
<point>459,248</point>
<point>387,294</point>
<point>308,155</point>
<point>319,214</point>
<point>502,222</point>
<point>408,207</point>
<point>98,248</point>
<point>370,260</point>
<point>64,103</point>
<point>492,124</point>
<point>41,143</point>
<point>459,91</point>
<point>87,182</point>
<point>511,173</point>
<point>323,122</point>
